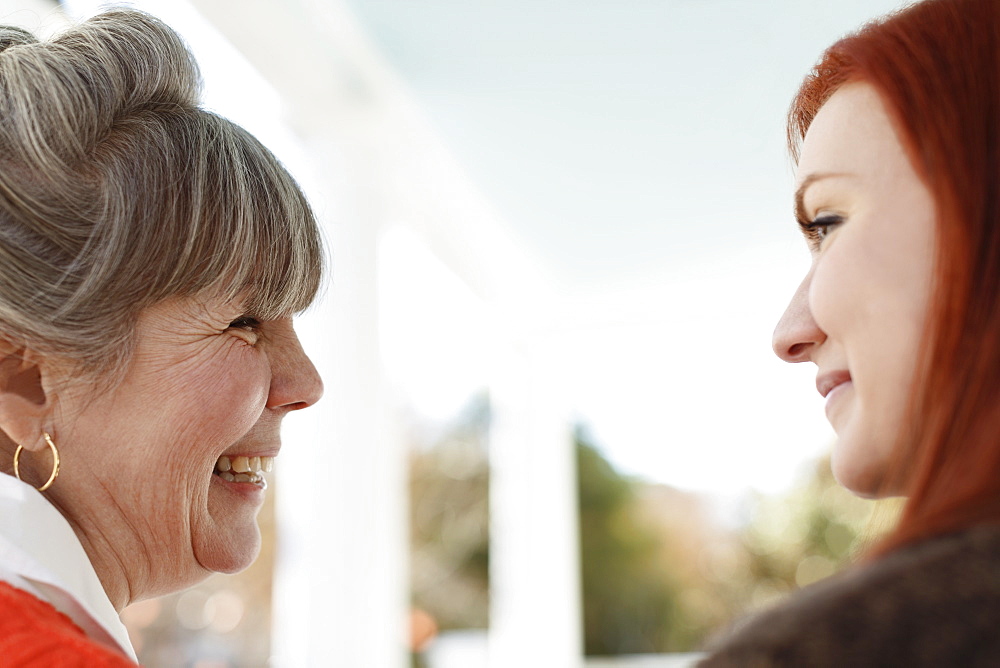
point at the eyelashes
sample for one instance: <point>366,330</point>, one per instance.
<point>245,322</point>
<point>247,328</point>
<point>819,228</point>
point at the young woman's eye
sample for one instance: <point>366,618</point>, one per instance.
<point>817,229</point>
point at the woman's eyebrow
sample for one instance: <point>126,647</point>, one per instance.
<point>800,192</point>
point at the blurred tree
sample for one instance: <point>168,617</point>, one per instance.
<point>629,598</point>
<point>808,534</point>
<point>660,571</point>
<point>449,521</point>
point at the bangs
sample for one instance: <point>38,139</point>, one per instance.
<point>187,203</point>
<point>268,253</point>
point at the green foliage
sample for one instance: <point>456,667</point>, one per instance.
<point>803,536</point>
<point>628,598</point>
<point>661,574</point>
<point>659,571</point>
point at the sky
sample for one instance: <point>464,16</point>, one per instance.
<point>617,136</point>
<point>638,149</point>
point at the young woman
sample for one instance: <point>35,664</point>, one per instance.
<point>896,134</point>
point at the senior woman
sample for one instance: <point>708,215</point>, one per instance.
<point>897,139</point>
<point>151,257</point>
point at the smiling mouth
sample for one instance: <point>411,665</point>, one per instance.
<point>827,383</point>
<point>244,469</point>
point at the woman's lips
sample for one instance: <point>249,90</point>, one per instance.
<point>827,382</point>
<point>832,385</point>
<point>837,391</point>
<point>250,491</point>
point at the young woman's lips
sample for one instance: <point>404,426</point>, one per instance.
<point>831,385</point>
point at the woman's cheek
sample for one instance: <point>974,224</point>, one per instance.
<point>832,297</point>
<point>243,377</point>
<point>220,392</point>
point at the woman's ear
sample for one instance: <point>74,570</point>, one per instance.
<point>24,404</point>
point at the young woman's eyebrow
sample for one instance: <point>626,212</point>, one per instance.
<point>800,192</point>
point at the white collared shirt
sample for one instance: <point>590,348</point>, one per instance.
<point>40,554</point>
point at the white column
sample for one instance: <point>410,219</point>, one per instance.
<point>535,614</point>
<point>340,590</point>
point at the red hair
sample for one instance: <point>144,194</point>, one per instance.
<point>936,65</point>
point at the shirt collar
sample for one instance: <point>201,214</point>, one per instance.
<point>39,551</point>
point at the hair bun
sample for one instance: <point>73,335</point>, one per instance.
<point>142,59</point>
<point>14,36</point>
<point>60,98</point>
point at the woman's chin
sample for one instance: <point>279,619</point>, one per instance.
<point>229,539</point>
<point>225,552</point>
<point>856,468</point>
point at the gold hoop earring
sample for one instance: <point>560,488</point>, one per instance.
<point>55,462</point>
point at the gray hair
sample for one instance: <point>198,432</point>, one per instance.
<point>117,191</point>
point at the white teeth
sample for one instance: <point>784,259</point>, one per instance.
<point>255,464</point>
<point>241,464</point>
<point>267,463</point>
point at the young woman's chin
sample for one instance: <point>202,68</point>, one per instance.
<point>859,466</point>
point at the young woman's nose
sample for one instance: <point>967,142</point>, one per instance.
<point>797,333</point>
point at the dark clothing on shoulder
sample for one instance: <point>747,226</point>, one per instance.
<point>935,603</point>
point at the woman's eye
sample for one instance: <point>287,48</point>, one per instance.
<point>245,322</point>
<point>817,229</point>
<point>247,328</point>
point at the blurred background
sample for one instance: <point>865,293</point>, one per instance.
<point>554,433</point>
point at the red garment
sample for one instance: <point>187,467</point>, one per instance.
<point>33,633</point>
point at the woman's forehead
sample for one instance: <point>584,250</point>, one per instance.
<point>852,135</point>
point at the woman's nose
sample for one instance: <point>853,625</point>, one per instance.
<point>797,333</point>
<point>295,383</point>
